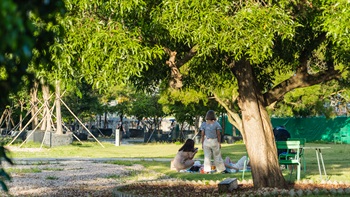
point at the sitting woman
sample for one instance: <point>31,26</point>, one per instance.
<point>184,157</point>
<point>235,167</point>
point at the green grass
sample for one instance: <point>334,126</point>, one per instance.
<point>113,176</point>
<point>53,169</point>
<point>23,170</point>
<point>336,159</point>
<point>95,150</point>
<point>51,178</point>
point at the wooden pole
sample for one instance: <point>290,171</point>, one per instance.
<point>26,125</point>
<point>42,142</point>
<point>58,109</point>
<point>32,132</point>
<point>2,117</point>
<point>80,121</point>
<point>36,113</point>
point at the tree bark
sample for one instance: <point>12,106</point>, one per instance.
<point>105,125</point>
<point>46,124</point>
<point>257,130</point>
<point>21,102</point>
<point>34,103</point>
<point>58,109</point>
<point>233,117</point>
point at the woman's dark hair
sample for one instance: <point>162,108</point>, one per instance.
<point>188,146</point>
<point>210,115</point>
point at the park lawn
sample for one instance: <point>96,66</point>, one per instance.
<point>336,158</point>
<point>95,150</point>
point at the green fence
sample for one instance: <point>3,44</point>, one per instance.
<point>313,129</point>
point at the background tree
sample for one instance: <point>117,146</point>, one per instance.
<point>20,105</point>
<point>188,106</point>
<point>146,108</point>
<point>102,40</point>
<point>255,42</point>
<point>84,102</point>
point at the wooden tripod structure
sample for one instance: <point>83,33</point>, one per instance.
<point>38,111</point>
<point>6,118</point>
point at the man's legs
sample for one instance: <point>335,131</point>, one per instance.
<point>240,162</point>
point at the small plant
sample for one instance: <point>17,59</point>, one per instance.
<point>36,170</point>
<point>114,176</point>
<point>52,178</point>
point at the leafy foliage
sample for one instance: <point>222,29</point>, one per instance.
<point>147,106</point>
<point>288,45</point>
<point>185,105</point>
<point>4,176</point>
<point>328,99</point>
<point>85,104</point>
<point>104,42</point>
<point>19,38</point>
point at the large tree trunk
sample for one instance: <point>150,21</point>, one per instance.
<point>257,131</point>
<point>58,109</point>
<point>34,103</point>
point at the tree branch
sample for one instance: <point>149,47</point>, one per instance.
<point>176,77</point>
<point>302,78</point>
<point>233,117</point>
<point>299,80</point>
<point>188,56</point>
<point>307,52</point>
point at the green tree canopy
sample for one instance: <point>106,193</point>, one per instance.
<point>233,50</point>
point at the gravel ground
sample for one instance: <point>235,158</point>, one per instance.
<point>67,178</point>
<point>95,178</point>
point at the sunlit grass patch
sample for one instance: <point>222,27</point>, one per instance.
<point>29,144</point>
<point>121,162</point>
<point>336,159</point>
<point>23,170</point>
<point>38,163</point>
<point>140,175</point>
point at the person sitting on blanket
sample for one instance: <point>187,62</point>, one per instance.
<point>184,157</point>
<point>235,167</point>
